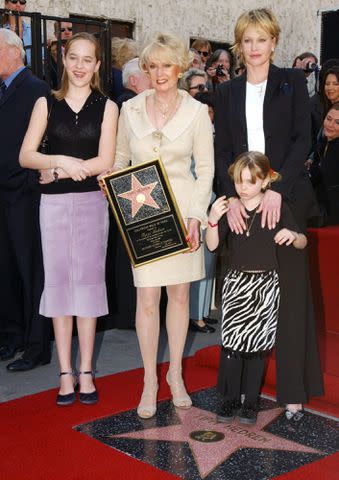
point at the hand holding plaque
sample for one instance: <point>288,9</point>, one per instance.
<point>146,212</point>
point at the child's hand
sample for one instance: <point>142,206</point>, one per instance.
<point>218,209</point>
<point>285,236</point>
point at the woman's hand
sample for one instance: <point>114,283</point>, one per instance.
<point>211,72</point>
<point>285,236</point>
<point>193,234</point>
<point>235,215</point>
<point>74,167</point>
<point>102,184</point>
<point>46,176</point>
<point>270,209</point>
<point>218,209</point>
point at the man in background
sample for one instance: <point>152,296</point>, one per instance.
<point>134,81</point>
<point>21,326</point>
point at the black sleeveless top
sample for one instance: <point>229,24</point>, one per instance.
<point>76,135</point>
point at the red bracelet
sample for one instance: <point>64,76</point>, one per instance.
<point>212,224</point>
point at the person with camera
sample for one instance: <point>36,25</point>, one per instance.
<point>218,68</point>
<point>308,62</point>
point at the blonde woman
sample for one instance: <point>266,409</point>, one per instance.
<point>81,125</point>
<point>168,123</point>
<point>267,109</point>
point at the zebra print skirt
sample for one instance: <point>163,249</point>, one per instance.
<point>250,303</point>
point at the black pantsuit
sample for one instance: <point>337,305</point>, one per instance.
<point>286,119</point>
<point>20,249</point>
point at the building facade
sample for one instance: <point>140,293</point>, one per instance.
<point>213,19</point>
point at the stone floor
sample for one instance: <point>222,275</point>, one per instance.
<point>115,351</point>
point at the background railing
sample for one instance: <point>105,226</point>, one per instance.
<point>38,37</point>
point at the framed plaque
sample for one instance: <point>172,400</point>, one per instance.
<point>146,212</point>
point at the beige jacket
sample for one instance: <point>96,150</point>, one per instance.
<point>188,133</point>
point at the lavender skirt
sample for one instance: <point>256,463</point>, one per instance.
<point>74,231</point>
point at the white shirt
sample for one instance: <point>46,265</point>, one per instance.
<point>254,116</point>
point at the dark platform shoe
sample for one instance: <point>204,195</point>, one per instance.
<point>68,398</point>
<point>88,398</point>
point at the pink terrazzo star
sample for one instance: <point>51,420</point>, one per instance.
<point>140,195</point>
<point>207,455</point>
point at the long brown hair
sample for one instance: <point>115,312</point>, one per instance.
<point>95,81</point>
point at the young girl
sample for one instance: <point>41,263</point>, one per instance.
<point>250,296</point>
<point>81,125</point>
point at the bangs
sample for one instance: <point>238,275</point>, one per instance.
<point>161,54</point>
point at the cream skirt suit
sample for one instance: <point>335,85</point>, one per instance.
<point>188,133</point>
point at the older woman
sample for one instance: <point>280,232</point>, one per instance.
<point>194,81</point>
<point>168,123</point>
<point>267,110</point>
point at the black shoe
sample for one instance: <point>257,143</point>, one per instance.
<point>248,413</point>
<point>23,364</point>
<point>88,398</point>
<point>228,411</point>
<point>205,329</point>
<point>210,321</point>
<point>7,352</point>
<point>68,398</point>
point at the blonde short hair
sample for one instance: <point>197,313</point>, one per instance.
<point>258,165</point>
<point>202,43</point>
<point>171,47</point>
<point>261,18</point>
<point>123,50</point>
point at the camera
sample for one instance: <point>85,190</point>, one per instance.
<point>311,67</point>
<point>219,70</point>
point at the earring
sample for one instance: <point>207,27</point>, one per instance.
<point>180,75</point>
<point>272,49</point>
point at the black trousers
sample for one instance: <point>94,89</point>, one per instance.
<point>238,376</point>
<point>22,274</point>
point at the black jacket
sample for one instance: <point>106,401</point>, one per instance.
<point>16,106</point>
<point>287,127</point>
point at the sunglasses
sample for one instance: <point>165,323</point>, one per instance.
<point>201,87</point>
<point>62,30</point>
<point>22,2</point>
<point>204,54</point>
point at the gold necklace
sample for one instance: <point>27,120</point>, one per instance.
<point>165,109</point>
<point>248,227</point>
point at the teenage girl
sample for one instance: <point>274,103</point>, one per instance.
<point>250,295</point>
<point>80,122</point>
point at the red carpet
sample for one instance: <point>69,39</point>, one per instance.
<point>37,441</point>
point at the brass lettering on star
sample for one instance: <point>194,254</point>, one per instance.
<point>207,436</point>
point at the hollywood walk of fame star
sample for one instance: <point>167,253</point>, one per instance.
<point>209,455</point>
<point>140,195</point>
